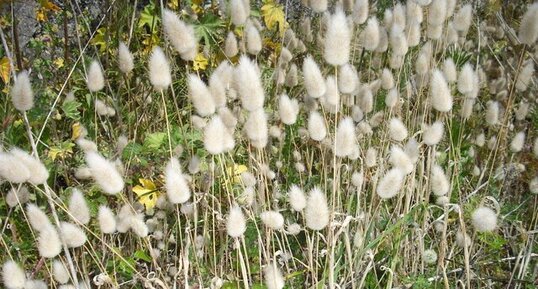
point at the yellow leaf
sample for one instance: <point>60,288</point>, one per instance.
<point>147,193</point>
<point>234,174</point>
<point>200,62</point>
<point>49,6</point>
<point>196,9</point>
<point>76,130</point>
<point>59,62</point>
<point>173,5</point>
<point>5,69</point>
<point>40,15</point>
<point>274,16</point>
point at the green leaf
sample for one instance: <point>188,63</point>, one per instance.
<point>148,17</point>
<point>208,28</point>
<point>142,255</point>
<point>155,140</point>
<point>70,109</point>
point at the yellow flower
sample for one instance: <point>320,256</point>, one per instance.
<point>147,193</point>
<point>200,62</point>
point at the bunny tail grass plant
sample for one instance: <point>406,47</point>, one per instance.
<point>360,144</point>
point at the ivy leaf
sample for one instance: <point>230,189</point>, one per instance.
<point>62,151</point>
<point>5,69</point>
<point>155,140</point>
<point>147,193</point>
<point>208,28</point>
<point>70,109</point>
<point>99,39</point>
<point>142,255</point>
<point>148,17</point>
<point>274,16</point>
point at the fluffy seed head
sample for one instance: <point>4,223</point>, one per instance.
<point>236,224</point>
<point>397,129</point>
<point>462,19</point>
<point>528,29</point>
<point>272,219</point>
<point>297,198</point>
<point>48,243</point>
<point>316,126</point>
<point>17,196</point>
<point>360,11</point>
<point>347,78</point>
<point>518,142</point>
<point>429,256</point>
<point>318,6</point>
<point>370,36</point>
<point>37,218</point>
<point>413,34</point>
<point>200,96</point>
<point>434,31</point>
<point>492,113</point>
<point>399,159</point>
<point>398,41</point>
<point>138,226</point>
<point>313,80</point>
<point>125,58</point>
<point>288,109</point>
<point>72,234</point>
<point>525,75</point>
<point>533,185</point>
<point>449,70</point>
<point>239,12</point>
<point>441,98</point>
<point>254,41</point>
<point>439,181</point>
<point>177,188</point>
<point>95,79</point>
<point>291,77</point>
<point>107,220</point>
<point>179,34</point>
<point>13,275</point>
<point>217,137</point>
<point>345,138</point>
<point>484,219</point>
<point>337,39</point>
<point>413,13</point>
<point>12,169</point>
<point>437,12</point>
<point>366,99</point>
<point>390,184</point>
<point>387,80</point>
<point>433,134</point>
<point>59,272</point>
<point>273,277</point>
<point>104,173</point>
<point>22,95</point>
<point>465,79</point>
<point>392,98</point>
<point>248,85</point>
<point>256,128</point>
<point>317,210</point>
<point>230,46</point>
<point>38,172</point>
<point>78,207</point>
<point>159,70</point>
<point>331,99</point>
